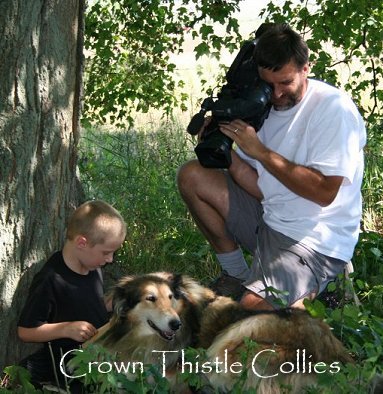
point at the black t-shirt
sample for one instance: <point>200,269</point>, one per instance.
<point>58,294</point>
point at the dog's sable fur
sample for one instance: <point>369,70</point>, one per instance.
<point>166,312</point>
<point>280,333</point>
<point>158,311</point>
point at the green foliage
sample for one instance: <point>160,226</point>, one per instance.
<point>128,68</point>
<point>17,380</point>
<point>136,172</point>
<point>372,186</point>
<point>188,376</point>
<point>102,372</point>
<point>368,257</point>
<point>129,46</point>
<point>362,333</point>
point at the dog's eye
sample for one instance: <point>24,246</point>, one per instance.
<point>151,298</point>
<point>170,296</point>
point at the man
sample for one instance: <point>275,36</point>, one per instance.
<point>292,193</point>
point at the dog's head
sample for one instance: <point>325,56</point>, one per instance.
<point>150,303</point>
<point>159,304</point>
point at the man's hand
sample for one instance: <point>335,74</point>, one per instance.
<point>245,137</point>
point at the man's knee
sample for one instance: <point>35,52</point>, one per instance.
<point>253,301</point>
<point>300,304</point>
<point>188,174</point>
<point>193,178</point>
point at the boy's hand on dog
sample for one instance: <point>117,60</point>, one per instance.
<point>80,331</point>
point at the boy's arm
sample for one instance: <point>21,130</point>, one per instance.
<point>79,331</point>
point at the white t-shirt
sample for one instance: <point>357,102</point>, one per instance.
<point>324,131</point>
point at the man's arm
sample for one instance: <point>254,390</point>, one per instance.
<point>79,331</point>
<point>303,181</point>
<point>245,176</point>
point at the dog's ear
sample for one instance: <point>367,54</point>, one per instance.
<point>125,296</point>
<point>176,284</point>
<point>191,290</point>
<point>120,306</point>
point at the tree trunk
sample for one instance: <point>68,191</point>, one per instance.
<point>40,82</point>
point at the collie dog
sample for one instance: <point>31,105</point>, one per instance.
<point>152,314</point>
<point>162,314</point>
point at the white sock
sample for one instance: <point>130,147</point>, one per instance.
<point>234,264</point>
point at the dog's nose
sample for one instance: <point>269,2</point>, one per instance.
<point>175,324</point>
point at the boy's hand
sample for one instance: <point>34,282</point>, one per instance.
<point>80,331</point>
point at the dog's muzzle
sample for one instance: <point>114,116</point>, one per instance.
<point>174,325</point>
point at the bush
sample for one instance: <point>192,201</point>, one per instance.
<point>135,170</point>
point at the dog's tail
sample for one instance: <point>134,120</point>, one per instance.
<point>295,338</point>
<point>296,330</point>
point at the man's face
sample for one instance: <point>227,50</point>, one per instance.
<point>289,85</point>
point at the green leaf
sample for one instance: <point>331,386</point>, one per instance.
<point>201,49</point>
<point>376,252</point>
<point>315,308</point>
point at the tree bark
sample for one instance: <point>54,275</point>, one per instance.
<point>40,86</point>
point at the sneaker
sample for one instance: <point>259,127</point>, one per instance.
<point>229,286</point>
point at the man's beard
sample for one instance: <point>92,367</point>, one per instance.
<point>290,100</point>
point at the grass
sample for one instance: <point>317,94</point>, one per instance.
<point>135,170</point>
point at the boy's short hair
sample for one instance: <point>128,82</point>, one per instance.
<point>96,220</point>
<point>278,45</point>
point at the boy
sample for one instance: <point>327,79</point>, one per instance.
<point>66,304</point>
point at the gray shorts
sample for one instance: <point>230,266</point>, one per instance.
<point>283,270</point>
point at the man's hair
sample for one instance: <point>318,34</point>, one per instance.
<point>278,45</point>
<point>96,220</point>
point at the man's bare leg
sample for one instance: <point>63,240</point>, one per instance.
<point>299,304</point>
<point>205,192</point>
<point>253,301</point>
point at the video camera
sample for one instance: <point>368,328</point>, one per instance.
<point>245,96</point>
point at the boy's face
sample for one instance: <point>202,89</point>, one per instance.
<point>96,256</point>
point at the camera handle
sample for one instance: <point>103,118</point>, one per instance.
<point>198,119</point>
